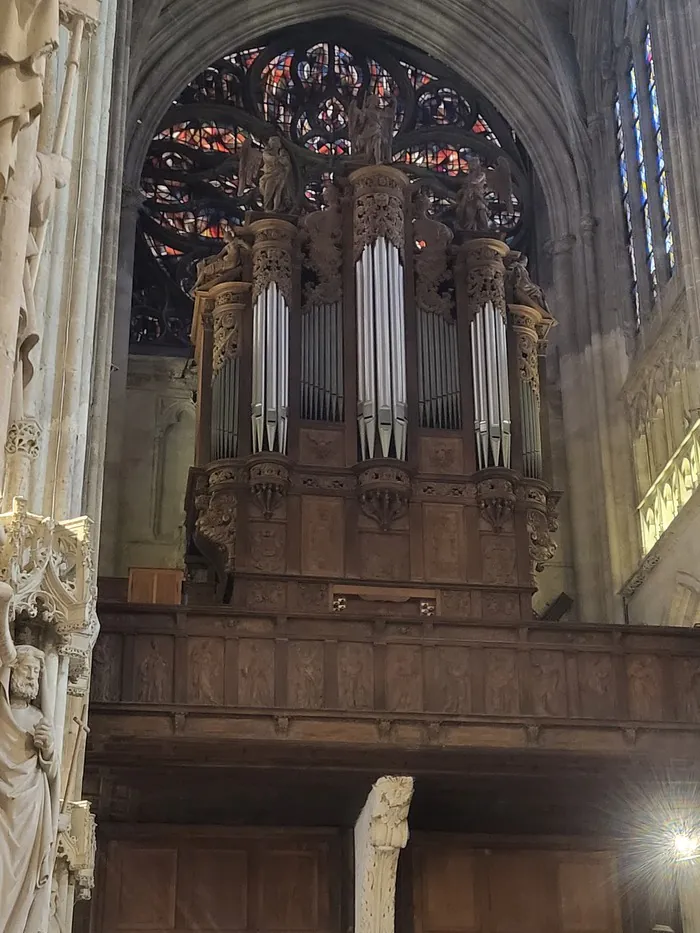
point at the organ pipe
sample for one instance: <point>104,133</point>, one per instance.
<point>487,310</point>
<point>379,235</point>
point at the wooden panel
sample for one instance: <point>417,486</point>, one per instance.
<point>321,448</point>
<point>205,671</point>
<point>441,455</point>
<point>586,894</point>
<point>266,546</point>
<point>355,676</point>
<point>212,889</point>
<point>153,669</point>
<point>289,891</point>
<point>596,686</point>
<point>548,683</point>
<point>645,684</point>
<point>155,585</point>
<point>305,674</point>
<point>444,542</point>
<point>522,892</point>
<point>256,672</point>
<point>147,883</point>
<point>499,559</point>
<point>404,678</point>
<point>448,889</point>
<point>322,535</point>
<point>106,679</point>
<point>501,682</point>
<point>449,684</point>
<point>687,681</point>
<point>384,556</point>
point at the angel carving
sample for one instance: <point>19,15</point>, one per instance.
<point>473,212</point>
<point>272,170</point>
<point>371,128</point>
<point>520,289</point>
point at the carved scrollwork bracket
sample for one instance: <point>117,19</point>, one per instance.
<point>542,523</point>
<point>216,505</point>
<point>495,496</point>
<point>384,492</point>
<point>268,482</point>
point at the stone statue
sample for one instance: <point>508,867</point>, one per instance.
<point>520,289</point>
<point>51,172</point>
<point>371,128</point>
<point>28,33</point>
<point>28,784</point>
<point>225,266</point>
<point>472,209</point>
<point>274,167</point>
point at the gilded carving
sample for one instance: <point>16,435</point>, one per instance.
<point>431,263</point>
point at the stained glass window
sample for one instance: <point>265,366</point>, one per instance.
<point>643,174</point>
<point>660,176</point>
<point>299,86</point>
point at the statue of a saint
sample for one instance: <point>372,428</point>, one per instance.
<point>274,168</point>
<point>371,128</point>
<point>28,33</point>
<point>472,209</point>
<point>28,779</point>
<point>520,289</point>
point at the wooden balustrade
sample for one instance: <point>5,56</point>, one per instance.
<point>224,673</point>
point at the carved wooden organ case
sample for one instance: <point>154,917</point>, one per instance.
<point>369,425</point>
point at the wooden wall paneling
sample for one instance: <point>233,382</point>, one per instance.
<point>645,688</point>
<point>522,892</point>
<point>589,899</point>
<point>256,672</point>
<point>212,887</point>
<point>596,685</point>
<point>231,672</point>
<point>330,674</point>
<point>447,895</point>
<point>322,535</point>
<point>449,683</point>
<point>305,674</point>
<point>107,668</point>
<point>501,682</point>
<point>141,882</point>
<point>205,671</point>
<point>290,890</point>
<point>404,678</point>
<point>153,668</point>
<point>444,541</point>
<point>687,692</point>
<point>549,695</point>
<point>355,664</point>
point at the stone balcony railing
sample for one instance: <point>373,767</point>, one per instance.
<point>671,490</point>
<point>220,675</point>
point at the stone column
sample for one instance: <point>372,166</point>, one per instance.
<point>381,832</point>
<point>688,884</point>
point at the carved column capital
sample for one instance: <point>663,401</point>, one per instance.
<point>230,302</point>
<point>524,321</point>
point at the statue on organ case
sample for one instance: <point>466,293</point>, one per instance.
<point>371,129</point>
<point>273,170</point>
<point>28,778</point>
<point>520,289</point>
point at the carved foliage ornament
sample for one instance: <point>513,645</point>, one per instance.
<point>269,482</point>
<point>24,437</point>
<point>384,493</point>
<point>216,523</point>
<point>496,499</point>
<point>230,303</point>
<point>541,526</point>
<point>49,566</point>
<point>431,261</point>
<point>378,208</point>
<point>485,276</point>
<point>77,845</point>
<point>323,233</point>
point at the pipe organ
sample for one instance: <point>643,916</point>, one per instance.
<point>429,490</point>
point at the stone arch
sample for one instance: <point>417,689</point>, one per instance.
<point>490,50</point>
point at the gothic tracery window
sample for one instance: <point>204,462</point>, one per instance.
<point>298,86</point>
<point>643,172</point>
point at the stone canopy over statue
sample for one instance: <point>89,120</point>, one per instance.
<point>28,778</point>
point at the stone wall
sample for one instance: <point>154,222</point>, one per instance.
<point>157,452</point>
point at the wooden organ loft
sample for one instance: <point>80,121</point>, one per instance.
<point>366,515</point>
<point>369,419</point>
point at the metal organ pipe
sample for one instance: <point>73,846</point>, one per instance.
<point>380,311</point>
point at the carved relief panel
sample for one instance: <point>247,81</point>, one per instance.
<point>106,679</point>
<point>322,535</point>
<point>444,542</point>
<point>205,671</point>
<point>153,669</point>
<point>305,674</point>
<point>256,672</point>
<point>355,676</point>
